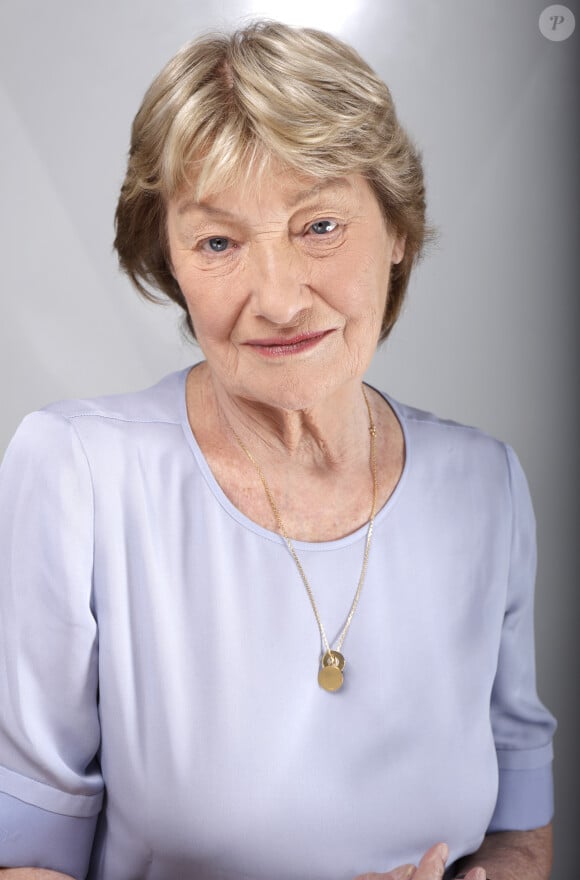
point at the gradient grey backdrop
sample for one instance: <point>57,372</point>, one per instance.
<point>488,336</point>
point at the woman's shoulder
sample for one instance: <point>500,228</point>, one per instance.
<point>444,455</point>
<point>161,402</point>
<point>105,423</point>
<point>435,428</point>
<point>437,443</point>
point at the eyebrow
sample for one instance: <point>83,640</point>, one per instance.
<point>299,197</point>
<point>311,192</point>
<point>191,205</point>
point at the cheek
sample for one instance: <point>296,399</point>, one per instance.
<point>360,286</point>
<point>213,309</point>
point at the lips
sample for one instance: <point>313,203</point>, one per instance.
<point>279,346</point>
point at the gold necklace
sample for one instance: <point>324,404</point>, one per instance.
<point>330,674</point>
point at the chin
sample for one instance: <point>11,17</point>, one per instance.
<point>294,393</point>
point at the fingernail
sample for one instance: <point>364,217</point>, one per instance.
<point>443,851</point>
<point>480,874</point>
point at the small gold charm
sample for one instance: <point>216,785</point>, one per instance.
<point>330,676</point>
<point>333,658</point>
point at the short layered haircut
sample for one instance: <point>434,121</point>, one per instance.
<point>225,105</point>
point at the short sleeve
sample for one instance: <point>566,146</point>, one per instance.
<point>523,727</point>
<point>50,784</point>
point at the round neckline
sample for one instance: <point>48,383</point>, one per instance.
<point>249,524</point>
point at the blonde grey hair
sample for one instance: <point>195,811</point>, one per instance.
<point>227,104</point>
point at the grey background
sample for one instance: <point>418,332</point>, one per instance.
<point>488,334</point>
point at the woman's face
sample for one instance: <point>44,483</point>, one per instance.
<point>286,281</point>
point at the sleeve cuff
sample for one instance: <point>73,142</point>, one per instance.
<point>52,799</point>
<point>525,799</point>
<point>36,838</point>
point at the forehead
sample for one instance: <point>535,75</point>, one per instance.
<point>282,189</point>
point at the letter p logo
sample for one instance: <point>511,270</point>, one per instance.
<point>557,23</point>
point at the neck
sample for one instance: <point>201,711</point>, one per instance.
<point>326,433</point>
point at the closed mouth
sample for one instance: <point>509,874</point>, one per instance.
<point>277,346</point>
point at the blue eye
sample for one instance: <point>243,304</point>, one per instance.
<point>218,244</point>
<point>323,226</point>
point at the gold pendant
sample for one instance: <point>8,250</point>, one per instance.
<point>330,676</point>
<point>333,658</point>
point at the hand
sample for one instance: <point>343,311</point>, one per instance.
<point>431,867</point>
<point>473,874</point>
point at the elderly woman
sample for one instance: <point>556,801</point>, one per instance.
<point>262,621</point>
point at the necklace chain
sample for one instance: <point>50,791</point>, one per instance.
<point>284,533</point>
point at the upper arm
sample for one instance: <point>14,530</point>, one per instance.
<point>523,728</point>
<point>50,783</point>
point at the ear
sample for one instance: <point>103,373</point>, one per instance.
<point>399,249</point>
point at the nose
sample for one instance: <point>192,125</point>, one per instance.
<point>278,286</point>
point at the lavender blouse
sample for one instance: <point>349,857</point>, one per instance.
<point>160,712</point>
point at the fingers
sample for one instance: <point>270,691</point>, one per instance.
<point>432,865</point>
<point>403,872</point>
<point>476,874</point>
